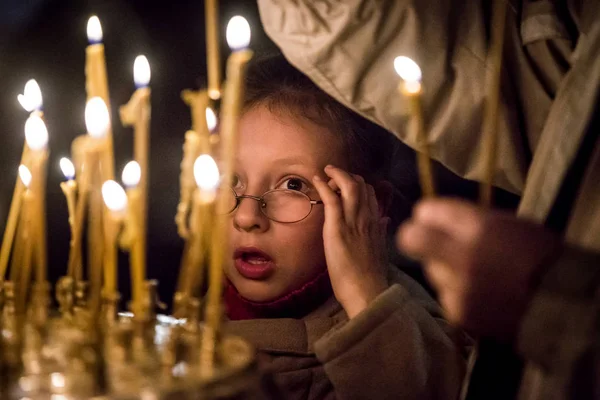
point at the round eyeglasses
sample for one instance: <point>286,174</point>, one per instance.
<point>279,205</point>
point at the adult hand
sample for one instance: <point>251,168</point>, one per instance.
<point>482,263</point>
<point>354,239</point>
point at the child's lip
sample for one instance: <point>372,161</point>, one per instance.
<point>255,271</point>
<point>241,251</point>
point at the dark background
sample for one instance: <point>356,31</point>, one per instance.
<point>46,40</point>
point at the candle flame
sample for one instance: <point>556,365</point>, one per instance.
<point>36,134</point>
<point>57,380</point>
<point>206,173</point>
<point>238,33</point>
<point>131,174</point>
<point>114,196</point>
<point>407,69</point>
<point>67,168</point>
<point>25,175</point>
<point>31,99</point>
<point>97,119</point>
<point>141,71</point>
<point>211,119</point>
<point>94,30</point>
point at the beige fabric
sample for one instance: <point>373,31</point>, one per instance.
<point>326,356</point>
<point>550,91</point>
<point>348,49</point>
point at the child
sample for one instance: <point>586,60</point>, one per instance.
<point>309,284</point>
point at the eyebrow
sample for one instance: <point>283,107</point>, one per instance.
<point>291,161</point>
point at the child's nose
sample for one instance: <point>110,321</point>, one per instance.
<point>249,217</point>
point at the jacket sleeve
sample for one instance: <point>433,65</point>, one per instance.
<point>393,350</point>
<point>348,49</point>
<point>560,331</point>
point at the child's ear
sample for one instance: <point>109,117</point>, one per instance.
<point>384,191</point>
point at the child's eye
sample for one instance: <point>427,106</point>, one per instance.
<point>235,182</point>
<point>294,184</point>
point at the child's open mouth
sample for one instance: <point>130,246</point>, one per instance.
<point>253,263</point>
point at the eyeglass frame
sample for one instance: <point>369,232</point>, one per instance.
<point>263,203</point>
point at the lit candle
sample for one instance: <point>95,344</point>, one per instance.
<point>238,38</point>
<point>21,269</point>
<point>30,100</point>
<point>137,113</point>
<point>97,121</point>
<point>24,176</point>
<point>206,175</point>
<point>36,136</point>
<point>69,187</point>
<point>213,57</point>
<point>131,179</point>
<point>492,100</point>
<point>97,84</point>
<point>194,145</point>
<point>115,200</point>
<point>411,87</point>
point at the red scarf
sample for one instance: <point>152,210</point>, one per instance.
<point>296,304</point>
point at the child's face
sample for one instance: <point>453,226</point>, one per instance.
<point>271,259</point>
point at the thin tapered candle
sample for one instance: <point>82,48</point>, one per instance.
<point>213,54</point>
<point>492,100</point>
<point>411,88</point>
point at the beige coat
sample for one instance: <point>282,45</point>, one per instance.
<point>550,93</point>
<point>398,348</point>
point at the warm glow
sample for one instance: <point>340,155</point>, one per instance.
<point>141,71</point>
<point>206,173</point>
<point>58,380</point>
<point>25,175</point>
<point>97,119</point>
<point>238,33</point>
<point>31,99</point>
<point>67,168</point>
<point>36,134</point>
<point>131,174</point>
<point>114,196</point>
<point>94,30</point>
<point>211,119</point>
<point>407,69</point>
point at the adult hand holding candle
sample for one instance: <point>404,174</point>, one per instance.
<point>36,136</point>
<point>131,179</point>
<point>238,38</point>
<point>411,87</point>
<point>97,84</point>
<point>115,200</point>
<point>30,100</point>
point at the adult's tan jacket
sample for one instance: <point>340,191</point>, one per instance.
<point>550,93</point>
<point>398,348</point>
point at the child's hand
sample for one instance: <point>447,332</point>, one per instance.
<point>354,239</point>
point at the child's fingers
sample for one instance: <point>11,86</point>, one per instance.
<point>331,201</point>
<point>372,201</point>
<point>350,191</point>
<point>364,192</point>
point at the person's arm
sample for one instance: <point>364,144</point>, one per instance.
<point>515,281</point>
<point>394,349</point>
<point>560,330</point>
<point>348,49</point>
